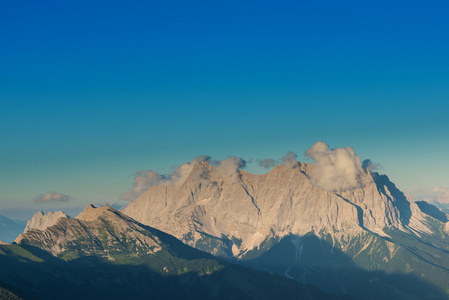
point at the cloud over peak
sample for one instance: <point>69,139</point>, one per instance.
<point>289,159</point>
<point>145,179</point>
<point>230,166</point>
<point>51,197</point>
<point>336,169</point>
<point>370,165</point>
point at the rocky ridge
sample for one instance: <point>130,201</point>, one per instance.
<point>104,254</point>
<point>96,231</point>
<point>248,209</point>
<point>42,220</point>
<point>344,241</point>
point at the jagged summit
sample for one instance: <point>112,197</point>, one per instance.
<point>42,220</point>
<point>91,213</point>
<point>104,254</point>
<point>251,207</point>
<point>300,220</point>
<point>3,243</point>
<point>282,222</point>
<point>96,231</point>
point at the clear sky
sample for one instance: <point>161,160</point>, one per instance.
<point>92,91</point>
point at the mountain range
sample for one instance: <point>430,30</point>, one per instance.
<point>222,234</point>
<point>369,241</point>
<point>104,254</point>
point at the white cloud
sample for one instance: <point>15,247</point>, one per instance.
<point>51,197</point>
<point>229,167</point>
<point>336,169</point>
<point>143,180</point>
<point>180,175</point>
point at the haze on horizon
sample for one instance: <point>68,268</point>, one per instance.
<point>93,93</point>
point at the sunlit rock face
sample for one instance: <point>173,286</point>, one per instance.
<point>42,220</point>
<point>96,231</point>
<point>229,214</point>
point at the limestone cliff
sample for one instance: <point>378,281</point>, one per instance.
<point>248,209</point>
<point>42,220</point>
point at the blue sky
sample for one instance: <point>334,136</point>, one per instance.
<point>92,91</point>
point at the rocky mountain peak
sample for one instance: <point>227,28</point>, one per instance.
<point>227,202</point>
<point>42,220</point>
<point>96,231</point>
<point>91,213</point>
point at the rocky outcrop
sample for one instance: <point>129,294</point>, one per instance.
<point>42,220</point>
<point>96,231</point>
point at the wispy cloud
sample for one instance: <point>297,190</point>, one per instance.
<point>229,167</point>
<point>51,197</point>
<point>370,165</point>
<point>145,179</point>
<point>289,159</point>
<point>336,169</point>
<point>266,163</point>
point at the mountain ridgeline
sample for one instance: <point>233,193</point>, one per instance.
<point>280,235</point>
<point>368,241</point>
<point>105,254</point>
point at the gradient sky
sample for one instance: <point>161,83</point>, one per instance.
<point>92,91</point>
